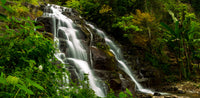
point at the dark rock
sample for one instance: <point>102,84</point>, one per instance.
<point>47,22</point>
<point>141,95</point>
<point>61,34</point>
<point>167,97</point>
<point>157,94</point>
<point>180,91</point>
<point>152,74</point>
<point>173,89</point>
<point>73,75</point>
<point>42,7</point>
<point>103,60</point>
<point>63,45</point>
<point>73,15</point>
<point>106,74</point>
<point>115,84</point>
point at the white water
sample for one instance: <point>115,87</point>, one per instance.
<point>118,55</point>
<point>76,53</point>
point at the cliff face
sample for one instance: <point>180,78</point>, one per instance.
<point>103,64</point>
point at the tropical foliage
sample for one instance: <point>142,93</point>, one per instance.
<point>166,31</point>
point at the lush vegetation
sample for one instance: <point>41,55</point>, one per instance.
<point>27,59</point>
<point>167,31</point>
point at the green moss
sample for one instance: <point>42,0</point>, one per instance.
<point>102,46</point>
<point>112,62</point>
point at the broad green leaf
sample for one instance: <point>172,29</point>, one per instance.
<point>11,44</point>
<point>177,31</point>
<point>38,27</point>
<point>168,28</point>
<point>7,8</point>
<point>192,27</point>
<point>122,95</point>
<point>125,35</point>
<point>12,80</point>
<point>25,89</point>
<point>66,96</point>
<point>21,82</point>
<point>4,94</point>
<point>3,80</point>
<point>196,40</point>
<point>3,2</point>
<point>34,84</point>
<point>2,74</point>
<point>128,92</point>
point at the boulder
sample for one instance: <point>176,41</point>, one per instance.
<point>47,22</point>
<point>115,84</point>
<point>157,94</point>
<point>105,75</point>
<point>63,45</point>
<point>103,60</point>
<point>180,91</point>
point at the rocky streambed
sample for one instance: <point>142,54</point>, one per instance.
<point>185,89</point>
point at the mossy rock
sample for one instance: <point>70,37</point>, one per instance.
<point>103,59</point>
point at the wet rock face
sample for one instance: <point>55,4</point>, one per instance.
<point>73,14</point>
<point>102,60</point>
<point>47,22</point>
<point>63,45</point>
<point>153,76</point>
<point>115,84</point>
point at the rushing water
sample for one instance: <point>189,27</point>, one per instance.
<point>119,57</point>
<point>76,52</point>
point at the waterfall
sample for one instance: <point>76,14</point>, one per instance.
<point>75,53</point>
<point>71,49</point>
<point>118,55</point>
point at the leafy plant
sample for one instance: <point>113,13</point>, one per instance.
<point>11,82</point>
<point>181,40</point>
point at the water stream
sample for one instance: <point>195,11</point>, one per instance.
<point>76,53</point>
<point>119,57</point>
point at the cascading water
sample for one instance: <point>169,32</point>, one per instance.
<point>118,55</point>
<point>75,53</point>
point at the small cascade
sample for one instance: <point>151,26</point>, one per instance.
<point>74,53</point>
<point>91,40</point>
<point>118,55</point>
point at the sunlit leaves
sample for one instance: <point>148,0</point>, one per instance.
<point>126,24</point>
<point>128,92</point>
<point>143,19</point>
<point>73,4</point>
<point>105,9</point>
<point>3,81</point>
<point>12,80</point>
<point>25,89</point>
<point>34,84</point>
